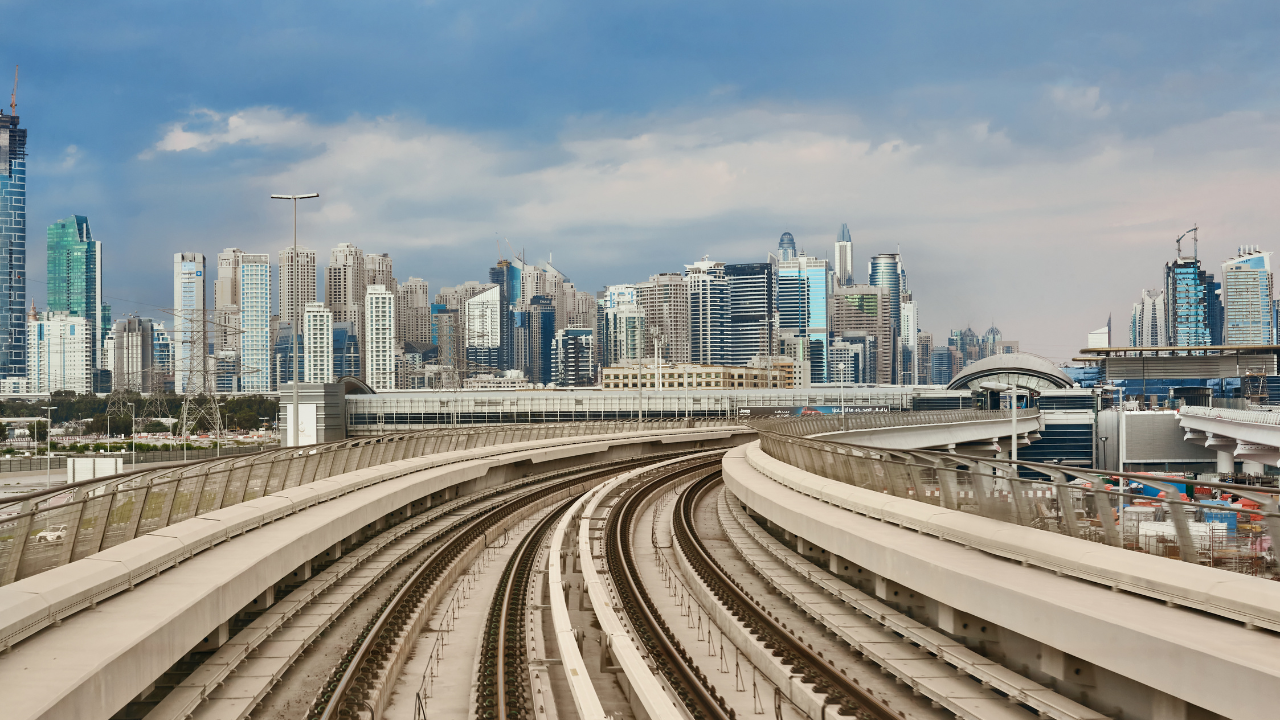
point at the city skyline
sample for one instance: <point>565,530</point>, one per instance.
<point>1082,151</point>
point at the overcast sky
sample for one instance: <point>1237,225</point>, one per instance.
<point>1033,161</point>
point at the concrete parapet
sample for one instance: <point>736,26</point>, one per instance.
<point>1166,650</point>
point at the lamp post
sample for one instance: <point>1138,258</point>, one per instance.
<point>48,447</point>
<point>840,367</point>
<point>1103,440</point>
<point>293,423</point>
<point>133,432</point>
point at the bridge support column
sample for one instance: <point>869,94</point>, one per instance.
<point>1251,467</point>
<point>1167,707</point>
<point>1226,462</point>
<point>215,639</point>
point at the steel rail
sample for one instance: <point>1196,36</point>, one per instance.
<point>668,655</point>
<point>360,666</point>
<point>503,667</point>
<point>804,662</point>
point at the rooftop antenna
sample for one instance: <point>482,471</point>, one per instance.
<point>13,99</point>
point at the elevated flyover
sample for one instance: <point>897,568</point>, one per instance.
<point>1252,436</point>
<point>232,538</point>
<point>1047,572</point>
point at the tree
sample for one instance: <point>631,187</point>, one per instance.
<point>4,431</point>
<point>39,430</point>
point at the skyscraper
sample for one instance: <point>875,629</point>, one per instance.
<point>535,338</point>
<point>844,256</point>
<point>802,309</point>
<point>865,309</point>
<point>622,335</point>
<point>1187,290</point>
<point>344,286</point>
<point>13,247</point>
<point>226,302</point>
<point>254,294</point>
<point>885,270</point>
<point>189,320</point>
<point>1147,324</point>
<point>413,311</point>
<point>317,340</point>
<point>575,357</point>
<point>482,328</point>
<point>507,277</point>
<point>295,293</point>
<point>907,343</point>
<point>751,312</point>
<point>75,277</point>
<point>380,338</point>
<point>61,354</point>
<point>377,267</point>
<point>665,301</point>
<point>786,247</point>
<point>132,359</point>
<point>1248,294</point>
<point>708,312</point>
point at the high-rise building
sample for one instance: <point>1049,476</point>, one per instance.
<point>844,256</point>
<point>622,335</point>
<point>990,341</point>
<point>751,311</point>
<point>75,277</point>
<point>60,354</point>
<point>13,248</point>
<point>297,283</point>
<point>615,295</point>
<point>344,286</point>
<point>924,358</point>
<point>786,247</point>
<point>802,309</point>
<point>885,270</point>
<point>226,302</point>
<point>254,291</point>
<point>865,309</point>
<point>941,365</point>
<point>131,351</point>
<point>482,329</point>
<point>377,268</point>
<point>446,332</point>
<point>413,311</point>
<point>535,338</point>
<point>907,343</point>
<point>189,323</point>
<point>1188,292</point>
<point>506,276</point>
<point>346,351</point>
<point>379,338</point>
<point>850,357</point>
<point>1147,323</point>
<point>665,301</point>
<point>1248,296</point>
<point>575,357</point>
<point>709,340</point>
<point>317,340</point>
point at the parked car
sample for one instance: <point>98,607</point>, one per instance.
<point>53,533</point>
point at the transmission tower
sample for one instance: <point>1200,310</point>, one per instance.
<point>194,374</point>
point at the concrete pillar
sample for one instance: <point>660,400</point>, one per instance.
<point>215,639</point>
<point>1251,467</point>
<point>841,567</point>
<point>302,574</point>
<point>1167,707</point>
<point>262,602</point>
<point>1226,462</point>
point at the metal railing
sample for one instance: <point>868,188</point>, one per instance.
<point>819,424</point>
<point>1080,503</point>
<point>1258,417</point>
<point>48,528</point>
<point>40,463</point>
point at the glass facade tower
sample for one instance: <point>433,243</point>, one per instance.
<point>802,309</point>
<point>13,248</point>
<point>1186,290</point>
<point>885,270</point>
<point>75,277</point>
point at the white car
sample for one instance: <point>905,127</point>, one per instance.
<point>53,533</point>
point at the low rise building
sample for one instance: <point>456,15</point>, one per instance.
<point>780,373</point>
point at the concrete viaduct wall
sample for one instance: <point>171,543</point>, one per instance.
<point>105,648</point>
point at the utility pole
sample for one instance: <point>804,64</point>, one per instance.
<point>297,320</point>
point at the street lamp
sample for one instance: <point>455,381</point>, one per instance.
<point>840,367</point>
<point>48,447</point>
<point>1104,439</point>
<point>133,432</point>
<point>293,424</point>
<point>1013,413</point>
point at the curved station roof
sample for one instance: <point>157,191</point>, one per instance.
<point>1027,371</point>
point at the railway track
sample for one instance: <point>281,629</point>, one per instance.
<point>358,686</point>
<point>670,659</point>
<point>812,669</point>
<point>503,674</point>
<point>378,567</point>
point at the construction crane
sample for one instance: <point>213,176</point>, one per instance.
<point>13,98</point>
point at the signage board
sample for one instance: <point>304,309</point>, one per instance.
<point>785,411</point>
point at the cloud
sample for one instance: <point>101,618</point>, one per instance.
<point>1046,241</point>
<point>1080,101</point>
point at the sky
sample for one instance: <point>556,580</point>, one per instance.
<point>1032,162</point>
